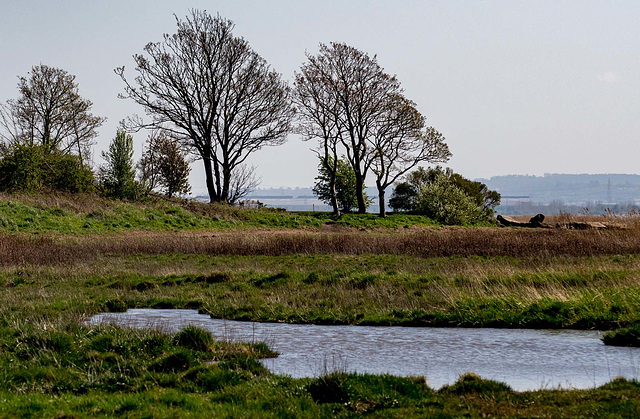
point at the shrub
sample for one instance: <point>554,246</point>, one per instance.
<point>436,191</point>
<point>30,168</point>
<point>445,202</point>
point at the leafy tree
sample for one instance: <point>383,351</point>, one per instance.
<point>479,192</point>
<point>403,197</point>
<point>345,185</point>
<point>212,90</point>
<point>117,177</point>
<point>50,113</point>
<point>404,194</point>
<point>164,165</point>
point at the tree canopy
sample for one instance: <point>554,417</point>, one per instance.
<point>215,93</point>
<point>348,102</point>
<point>50,113</point>
<point>118,175</point>
<point>164,166</point>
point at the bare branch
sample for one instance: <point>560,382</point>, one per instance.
<point>50,113</point>
<point>212,90</point>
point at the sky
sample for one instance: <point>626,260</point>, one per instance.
<point>516,87</point>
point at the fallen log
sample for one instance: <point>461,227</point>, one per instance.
<point>537,222</point>
<point>534,222</point>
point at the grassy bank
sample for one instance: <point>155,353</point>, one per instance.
<point>52,366</point>
<point>91,214</point>
<point>598,292</point>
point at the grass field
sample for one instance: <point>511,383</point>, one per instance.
<point>272,266</point>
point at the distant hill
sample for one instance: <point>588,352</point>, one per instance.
<point>571,189</point>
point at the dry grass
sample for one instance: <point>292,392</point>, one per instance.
<point>424,242</point>
<point>616,221</point>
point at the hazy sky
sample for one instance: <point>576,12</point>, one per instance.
<point>516,87</point>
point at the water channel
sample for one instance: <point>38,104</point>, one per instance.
<point>525,359</point>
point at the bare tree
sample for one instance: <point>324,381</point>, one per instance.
<point>319,117</point>
<point>50,113</point>
<point>211,88</point>
<point>360,89</point>
<point>346,99</point>
<point>243,181</point>
<point>399,144</point>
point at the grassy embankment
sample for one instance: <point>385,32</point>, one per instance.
<point>219,260</point>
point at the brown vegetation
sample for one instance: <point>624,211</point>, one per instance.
<point>424,242</point>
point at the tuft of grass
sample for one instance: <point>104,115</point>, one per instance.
<point>366,393</point>
<point>177,361</point>
<point>329,388</point>
<point>195,338</point>
<point>471,383</point>
<point>627,336</point>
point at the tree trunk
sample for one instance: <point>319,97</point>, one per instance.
<point>362,205</point>
<point>216,168</point>
<point>226,184</point>
<point>211,188</point>
<point>334,196</point>
<point>381,191</point>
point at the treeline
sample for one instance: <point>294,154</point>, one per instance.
<point>210,97</point>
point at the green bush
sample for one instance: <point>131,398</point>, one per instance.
<point>31,168</point>
<point>444,196</point>
<point>445,202</point>
<point>69,174</point>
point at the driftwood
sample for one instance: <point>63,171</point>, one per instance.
<point>534,222</point>
<point>588,225</point>
<point>538,222</point>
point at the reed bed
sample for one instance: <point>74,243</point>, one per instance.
<point>423,242</point>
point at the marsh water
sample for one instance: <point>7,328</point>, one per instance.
<point>523,358</point>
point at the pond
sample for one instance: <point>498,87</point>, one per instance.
<point>525,359</point>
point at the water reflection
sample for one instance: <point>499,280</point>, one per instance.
<point>524,359</point>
